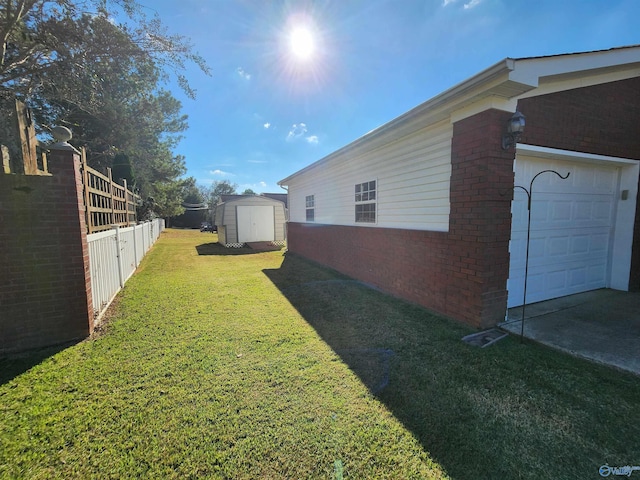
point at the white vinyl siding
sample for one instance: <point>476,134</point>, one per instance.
<point>413,175</point>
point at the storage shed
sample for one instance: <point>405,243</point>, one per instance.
<point>242,219</point>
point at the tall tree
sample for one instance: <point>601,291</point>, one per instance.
<point>121,169</point>
<point>38,36</point>
<point>193,213</point>
<point>191,194</point>
<point>75,66</point>
<point>213,192</point>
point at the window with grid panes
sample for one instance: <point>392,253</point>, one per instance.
<point>311,207</point>
<point>365,198</point>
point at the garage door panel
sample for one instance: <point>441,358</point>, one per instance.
<point>577,277</point>
<point>551,213</point>
<point>580,244</point>
<point>519,213</point>
<point>596,276</point>
<point>551,264</point>
<point>599,243</point>
<point>602,211</point>
<point>549,281</point>
<point>588,178</point>
<point>560,211</point>
<point>605,179</point>
<point>583,210</point>
<point>583,243</point>
<point>537,284</point>
<point>537,247</point>
<point>539,215</point>
<point>553,280</point>
<point>571,225</point>
<point>557,246</point>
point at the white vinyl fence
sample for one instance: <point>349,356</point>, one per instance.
<point>113,257</point>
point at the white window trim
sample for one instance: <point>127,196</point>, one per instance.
<point>307,208</point>
<point>374,202</point>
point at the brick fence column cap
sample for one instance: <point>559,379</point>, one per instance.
<point>63,146</point>
<point>62,135</point>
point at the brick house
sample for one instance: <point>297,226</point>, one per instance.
<point>427,207</point>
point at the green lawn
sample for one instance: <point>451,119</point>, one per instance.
<point>233,364</point>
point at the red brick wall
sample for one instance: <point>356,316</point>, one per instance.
<point>602,119</point>
<point>45,298</point>
<point>461,274</point>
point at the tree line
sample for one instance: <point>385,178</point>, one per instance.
<point>209,197</point>
<point>100,67</point>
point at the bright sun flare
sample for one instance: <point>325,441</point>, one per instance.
<point>302,43</point>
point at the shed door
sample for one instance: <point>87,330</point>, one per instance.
<point>572,225</point>
<point>255,223</point>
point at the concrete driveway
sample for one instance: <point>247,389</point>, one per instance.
<point>602,325</point>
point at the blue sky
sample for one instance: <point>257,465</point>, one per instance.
<point>266,113</point>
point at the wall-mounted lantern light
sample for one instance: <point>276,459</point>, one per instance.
<point>515,127</point>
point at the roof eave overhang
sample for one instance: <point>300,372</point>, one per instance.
<point>501,83</point>
<point>490,82</point>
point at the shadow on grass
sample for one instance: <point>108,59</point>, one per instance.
<point>217,249</point>
<point>15,364</point>
<point>480,413</point>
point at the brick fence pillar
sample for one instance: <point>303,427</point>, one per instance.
<point>64,162</point>
<point>45,293</point>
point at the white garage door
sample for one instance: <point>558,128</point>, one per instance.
<point>572,225</point>
<point>255,223</point>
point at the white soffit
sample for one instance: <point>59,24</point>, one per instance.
<point>530,77</point>
<point>557,83</point>
<point>529,70</point>
<point>564,72</point>
<point>493,102</point>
